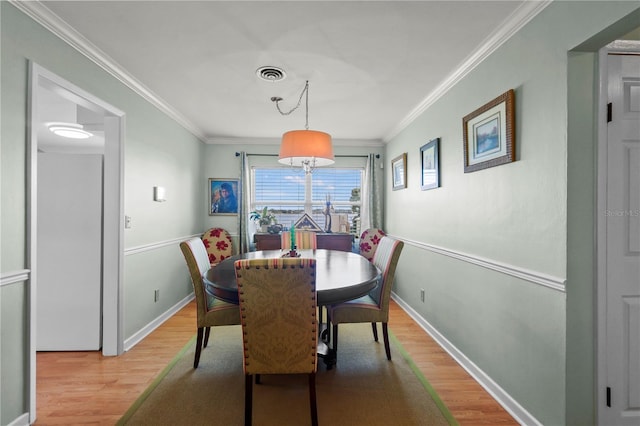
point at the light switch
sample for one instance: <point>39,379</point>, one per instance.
<point>127,222</point>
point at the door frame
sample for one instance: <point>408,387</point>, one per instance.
<point>601,206</point>
<point>113,214</point>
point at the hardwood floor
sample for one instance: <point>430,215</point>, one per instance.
<point>76,388</point>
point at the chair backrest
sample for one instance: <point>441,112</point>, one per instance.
<point>369,241</point>
<point>278,314</point>
<point>218,244</point>
<point>386,259</point>
<point>195,254</point>
<point>304,240</point>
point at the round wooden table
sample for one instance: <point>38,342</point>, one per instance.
<point>340,275</point>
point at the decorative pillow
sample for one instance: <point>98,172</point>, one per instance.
<point>369,242</point>
<point>217,241</point>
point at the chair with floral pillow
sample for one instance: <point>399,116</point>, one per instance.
<point>374,307</point>
<point>210,311</point>
<point>369,241</point>
<point>218,243</point>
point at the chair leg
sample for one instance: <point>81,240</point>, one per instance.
<point>325,333</point>
<point>385,335</point>
<point>312,399</point>
<point>248,392</point>
<point>374,327</point>
<point>206,337</point>
<point>335,341</point>
<point>257,379</point>
<point>196,360</point>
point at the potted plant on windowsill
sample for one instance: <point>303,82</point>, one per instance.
<point>264,218</point>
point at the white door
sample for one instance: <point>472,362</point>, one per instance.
<point>69,252</point>
<point>623,243</point>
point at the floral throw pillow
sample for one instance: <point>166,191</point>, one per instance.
<point>369,241</point>
<point>217,241</point>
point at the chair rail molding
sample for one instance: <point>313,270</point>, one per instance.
<point>554,283</point>
<point>157,245</point>
<point>13,277</point>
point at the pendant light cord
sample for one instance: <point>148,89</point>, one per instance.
<point>277,99</point>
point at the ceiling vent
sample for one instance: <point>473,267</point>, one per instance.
<point>271,74</point>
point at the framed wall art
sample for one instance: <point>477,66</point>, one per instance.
<point>399,172</point>
<point>430,165</point>
<point>223,196</point>
<point>489,134</point>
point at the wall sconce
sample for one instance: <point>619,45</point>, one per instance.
<point>159,194</point>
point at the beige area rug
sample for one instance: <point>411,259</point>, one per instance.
<point>363,388</point>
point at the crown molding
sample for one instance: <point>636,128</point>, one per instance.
<point>624,46</point>
<point>360,143</point>
<point>49,20</point>
<point>37,11</point>
<point>519,18</point>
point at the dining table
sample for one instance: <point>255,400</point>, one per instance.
<point>340,276</point>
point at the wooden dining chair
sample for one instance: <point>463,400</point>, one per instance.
<point>279,326</point>
<point>369,241</point>
<point>374,307</point>
<point>219,245</point>
<point>210,311</point>
<point>304,240</point>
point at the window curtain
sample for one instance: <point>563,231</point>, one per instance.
<point>245,180</point>
<point>371,214</point>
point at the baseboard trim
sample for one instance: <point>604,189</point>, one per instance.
<point>145,331</point>
<point>22,420</point>
<point>539,278</point>
<point>521,415</point>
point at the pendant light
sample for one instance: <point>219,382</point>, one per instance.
<point>304,148</point>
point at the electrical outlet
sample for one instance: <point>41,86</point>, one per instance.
<point>156,295</point>
<point>422,295</point>
<point>127,222</point>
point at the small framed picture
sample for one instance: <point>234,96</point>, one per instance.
<point>223,196</point>
<point>399,172</point>
<point>430,161</point>
<point>489,134</point>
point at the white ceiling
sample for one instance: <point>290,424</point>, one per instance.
<point>372,65</point>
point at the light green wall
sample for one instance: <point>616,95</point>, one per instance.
<point>13,364</point>
<point>157,151</point>
<point>221,162</point>
<point>516,214</point>
<point>530,339</point>
<point>581,202</point>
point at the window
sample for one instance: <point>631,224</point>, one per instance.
<point>289,193</point>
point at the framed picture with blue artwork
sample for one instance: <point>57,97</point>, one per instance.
<point>489,134</point>
<point>223,196</point>
<point>430,162</point>
<point>399,172</point>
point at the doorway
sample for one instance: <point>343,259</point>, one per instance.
<point>53,99</point>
